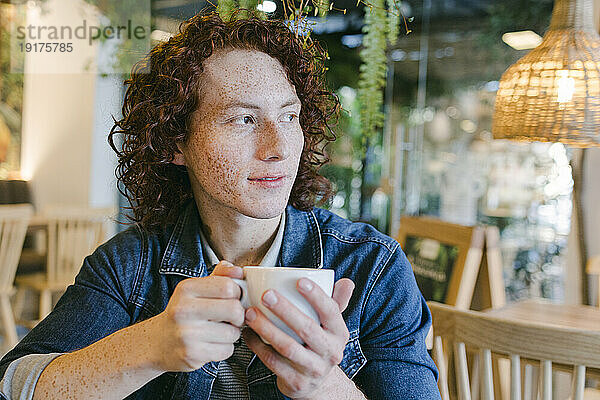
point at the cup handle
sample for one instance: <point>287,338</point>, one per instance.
<point>244,286</point>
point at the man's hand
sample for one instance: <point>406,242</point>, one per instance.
<point>302,371</point>
<point>201,321</point>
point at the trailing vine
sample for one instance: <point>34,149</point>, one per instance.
<point>381,27</point>
<point>372,77</point>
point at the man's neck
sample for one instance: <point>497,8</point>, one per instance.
<point>237,238</point>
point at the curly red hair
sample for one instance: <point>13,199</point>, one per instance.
<point>163,93</point>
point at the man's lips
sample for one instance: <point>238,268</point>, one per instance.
<point>270,177</point>
<point>267,178</point>
<point>269,181</point>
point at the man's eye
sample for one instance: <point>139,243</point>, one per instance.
<point>243,120</point>
<point>290,117</point>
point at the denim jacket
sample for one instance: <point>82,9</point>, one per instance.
<point>132,276</point>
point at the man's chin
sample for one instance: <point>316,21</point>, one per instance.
<point>265,214</point>
<point>265,211</point>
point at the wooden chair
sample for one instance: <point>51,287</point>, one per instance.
<point>13,226</point>
<point>73,233</point>
<point>522,342</point>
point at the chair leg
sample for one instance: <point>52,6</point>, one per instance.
<point>8,322</point>
<point>45,303</point>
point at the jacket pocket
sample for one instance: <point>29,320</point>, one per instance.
<point>354,359</point>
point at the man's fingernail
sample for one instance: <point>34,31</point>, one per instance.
<point>305,285</point>
<point>250,315</point>
<point>269,298</point>
<point>226,263</point>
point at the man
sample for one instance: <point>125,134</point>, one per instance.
<point>222,134</point>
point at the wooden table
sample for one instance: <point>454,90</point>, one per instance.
<point>563,315</point>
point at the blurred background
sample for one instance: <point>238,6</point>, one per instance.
<point>435,155</point>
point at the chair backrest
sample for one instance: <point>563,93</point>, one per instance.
<point>481,335</point>
<point>73,233</point>
<point>13,226</point>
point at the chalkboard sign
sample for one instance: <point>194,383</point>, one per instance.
<point>432,263</point>
<point>445,257</point>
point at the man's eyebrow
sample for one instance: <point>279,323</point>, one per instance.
<point>291,102</point>
<point>241,104</point>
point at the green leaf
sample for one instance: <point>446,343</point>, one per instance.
<point>372,77</point>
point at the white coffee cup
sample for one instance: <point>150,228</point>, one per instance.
<point>257,280</point>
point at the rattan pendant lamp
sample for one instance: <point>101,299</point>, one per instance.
<point>553,93</point>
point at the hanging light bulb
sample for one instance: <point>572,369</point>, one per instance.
<point>565,87</point>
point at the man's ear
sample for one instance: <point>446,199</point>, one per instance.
<point>178,158</point>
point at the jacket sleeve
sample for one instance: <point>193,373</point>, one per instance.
<point>394,323</point>
<point>22,375</point>
<point>92,308</point>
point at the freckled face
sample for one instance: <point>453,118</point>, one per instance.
<point>245,143</point>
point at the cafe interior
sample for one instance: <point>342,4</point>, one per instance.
<point>482,162</point>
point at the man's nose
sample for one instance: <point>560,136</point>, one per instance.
<point>273,142</point>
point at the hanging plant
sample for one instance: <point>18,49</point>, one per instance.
<point>381,27</point>
<point>372,77</point>
<point>393,21</point>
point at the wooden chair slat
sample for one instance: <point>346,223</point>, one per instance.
<point>462,371</point>
<point>439,358</point>
<point>528,383</point>
<point>515,377</point>
<point>546,366</point>
<point>578,382</point>
<point>487,378</point>
<point>475,373</point>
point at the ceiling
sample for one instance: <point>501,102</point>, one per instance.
<point>464,37</point>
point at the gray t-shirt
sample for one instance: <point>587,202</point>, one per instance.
<point>232,376</point>
<point>22,375</point>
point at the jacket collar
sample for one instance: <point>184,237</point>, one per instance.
<point>301,247</point>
